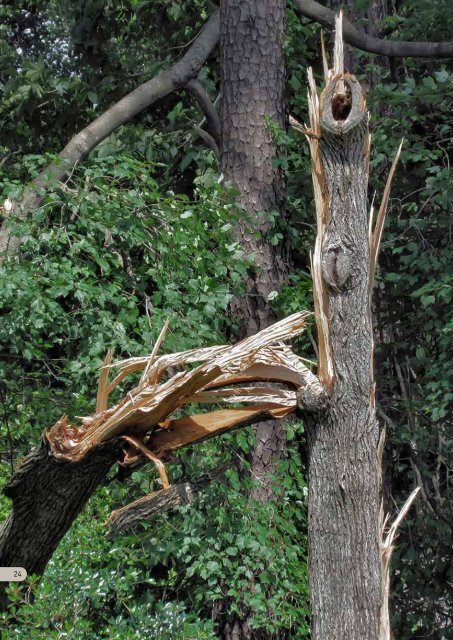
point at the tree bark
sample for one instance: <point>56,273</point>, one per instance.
<point>47,496</point>
<point>253,84</point>
<point>343,434</point>
<point>149,506</point>
<point>253,89</point>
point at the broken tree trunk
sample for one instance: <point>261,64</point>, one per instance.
<point>341,421</point>
<point>343,488</point>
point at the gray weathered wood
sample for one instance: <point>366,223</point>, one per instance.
<point>343,434</point>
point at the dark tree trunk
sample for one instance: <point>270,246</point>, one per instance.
<point>47,497</point>
<point>253,93</point>
<point>253,84</point>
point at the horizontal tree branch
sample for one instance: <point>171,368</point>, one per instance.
<point>357,38</point>
<point>121,112</point>
<point>158,502</point>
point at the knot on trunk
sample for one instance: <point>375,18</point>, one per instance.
<point>336,265</point>
<point>312,397</point>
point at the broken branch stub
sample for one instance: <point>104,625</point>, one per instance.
<point>158,502</point>
<point>343,124</point>
<point>337,139</point>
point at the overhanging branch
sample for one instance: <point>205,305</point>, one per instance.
<point>141,98</point>
<point>361,40</point>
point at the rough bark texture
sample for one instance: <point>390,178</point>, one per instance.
<point>253,82</point>
<point>79,147</point>
<point>47,496</point>
<point>343,487</point>
<point>252,88</point>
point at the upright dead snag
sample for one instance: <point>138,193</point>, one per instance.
<point>341,424</point>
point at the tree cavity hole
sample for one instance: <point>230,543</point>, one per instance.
<point>341,104</point>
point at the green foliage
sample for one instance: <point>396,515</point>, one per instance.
<point>415,297</point>
<point>143,232</point>
<point>235,547</point>
<point>105,260</point>
<point>63,63</point>
<point>98,590</point>
<point>100,252</point>
<point>163,579</point>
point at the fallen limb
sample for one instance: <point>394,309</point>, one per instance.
<point>145,411</point>
<point>158,502</point>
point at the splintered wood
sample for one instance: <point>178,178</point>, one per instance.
<point>144,415</point>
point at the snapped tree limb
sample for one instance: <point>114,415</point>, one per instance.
<point>55,480</point>
<point>357,38</point>
<point>145,411</point>
<point>155,503</point>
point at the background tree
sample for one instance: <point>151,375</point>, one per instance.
<point>251,48</point>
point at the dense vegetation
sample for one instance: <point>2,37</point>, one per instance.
<point>141,232</point>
